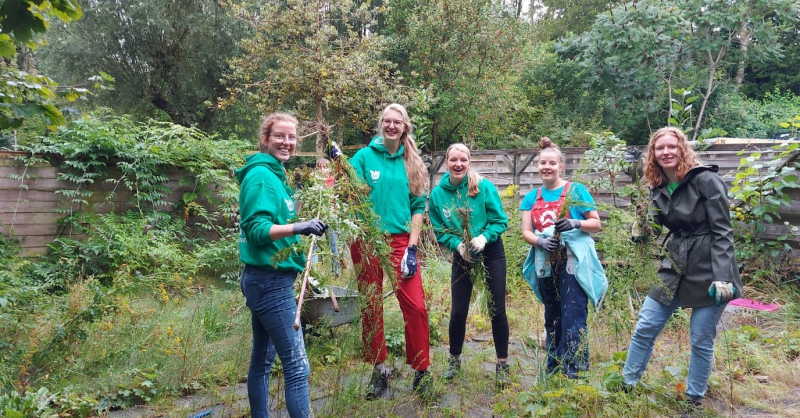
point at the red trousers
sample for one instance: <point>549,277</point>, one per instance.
<point>412,303</point>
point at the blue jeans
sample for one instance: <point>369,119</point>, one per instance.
<point>702,332</point>
<point>565,312</point>
<point>269,296</point>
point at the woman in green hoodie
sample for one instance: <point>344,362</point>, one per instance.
<point>392,168</point>
<point>463,195</point>
<point>266,207</point>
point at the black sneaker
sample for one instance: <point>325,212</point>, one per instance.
<point>423,385</point>
<point>453,367</point>
<point>378,383</point>
<point>502,379</point>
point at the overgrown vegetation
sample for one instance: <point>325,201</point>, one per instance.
<point>143,306</point>
<point>136,302</point>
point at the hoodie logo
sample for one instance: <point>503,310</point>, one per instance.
<point>289,204</point>
<point>446,213</point>
<point>376,174</point>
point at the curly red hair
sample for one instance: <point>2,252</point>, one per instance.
<point>688,158</point>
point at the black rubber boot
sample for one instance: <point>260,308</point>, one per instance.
<point>501,375</point>
<point>423,385</point>
<point>378,383</point>
<point>453,367</point>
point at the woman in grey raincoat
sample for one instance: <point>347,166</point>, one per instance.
<point>700,271</point>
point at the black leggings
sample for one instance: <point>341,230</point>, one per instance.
<point>494,259</point>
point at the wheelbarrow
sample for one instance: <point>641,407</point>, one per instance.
<point>336,306</point>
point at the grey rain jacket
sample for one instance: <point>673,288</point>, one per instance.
<point>701,245</point>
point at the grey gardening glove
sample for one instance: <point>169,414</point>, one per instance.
<point>563,225</point>
<point>722,292</point>
<point>547,244</point>
<point>314,226</point>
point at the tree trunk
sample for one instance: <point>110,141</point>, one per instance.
<point>434,135</point>
<point>709,89</point>
<point>744,42</point>
<point>320,147</point>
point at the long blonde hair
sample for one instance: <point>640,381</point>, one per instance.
<point>473,178</point>
<point>416,171</point>
<point>688,158</point>
<point>266,127</point>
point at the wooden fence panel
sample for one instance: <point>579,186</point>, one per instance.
<point>497,167</point>
<point>27,202</point>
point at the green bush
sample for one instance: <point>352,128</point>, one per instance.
<point>741,117</point>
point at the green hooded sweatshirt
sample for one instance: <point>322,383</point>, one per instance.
<point>265,200</point>
<point>385,174</point>
<point>486,212</point>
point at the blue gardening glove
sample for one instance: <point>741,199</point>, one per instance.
<point>722,292</point>
<point>333,151</point>
<point>314,226</point>
<point>477,244</point>
<point>567,224</point>
<point>547,244</point>
<point>408,265</point>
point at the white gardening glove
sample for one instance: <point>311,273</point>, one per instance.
<point>640,232</point>
<point>477,244</point>
<point>462,251</point>
<point>722,292</point>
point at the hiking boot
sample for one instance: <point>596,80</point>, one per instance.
<point>378,383</point>
<point>453,367</point>
<point>423,385</point>
<point>502,379</point>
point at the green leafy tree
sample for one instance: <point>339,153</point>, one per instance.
<point>167,56</point>
<point>561,17</point>
<point>466,56</point>
<point>560,106</point>
<point>763,76</point>
<point>23,92</point>
<point>632,54</point>
<point>313,58</point>
<point>639,51</point>
<point>718,27</point>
